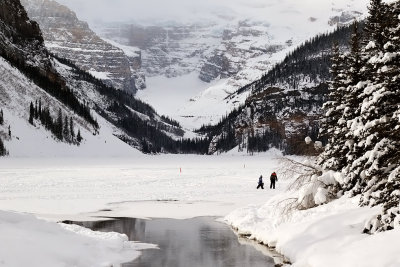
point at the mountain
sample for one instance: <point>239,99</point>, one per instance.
<point>284,106</point>
<point>223,52</point>
<point>47,99</point>
<point>68,37</point>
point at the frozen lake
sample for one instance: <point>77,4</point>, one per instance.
<point>198,241</point>
<point>166,186</point>
<point>178,187</point>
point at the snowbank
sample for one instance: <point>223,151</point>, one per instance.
<point>328,235</point>
<point>33,242</point>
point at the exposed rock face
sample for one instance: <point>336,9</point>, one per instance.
<point>212,50</point>
<point>20,38</point>
<point>21,42</point>
<point>240,43</point>
<point>72,39</point>
<point>216,66</point>
<point>167,50</point>
<point>344,18</point>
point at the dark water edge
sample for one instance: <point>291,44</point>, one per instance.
<point>197,242</point>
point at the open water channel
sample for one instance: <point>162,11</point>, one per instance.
<point>197,242</point>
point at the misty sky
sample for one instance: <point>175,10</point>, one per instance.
<point>117,10</point>
<point>111,10</point>
<point>276,11</point>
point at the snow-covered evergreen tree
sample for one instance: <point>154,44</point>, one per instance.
<point>333,157</point>
<point>383,166</point>
<point>370,125</point>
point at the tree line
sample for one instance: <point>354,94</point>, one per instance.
<point>152,133</point>
<point>62,127</point>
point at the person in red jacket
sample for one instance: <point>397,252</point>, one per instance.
<point>273,178</point>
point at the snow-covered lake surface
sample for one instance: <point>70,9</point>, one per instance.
<point>167,186</point>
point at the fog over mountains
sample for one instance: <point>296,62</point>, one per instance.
<point>272,11</point>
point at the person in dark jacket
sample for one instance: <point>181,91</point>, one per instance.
<point>260,183</point>
<point>274,178</point>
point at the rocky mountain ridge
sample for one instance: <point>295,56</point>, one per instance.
<point>68,37</point>
<point>212,50</point>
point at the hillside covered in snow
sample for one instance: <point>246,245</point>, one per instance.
<point>226,48</point>
<point>48,100</point>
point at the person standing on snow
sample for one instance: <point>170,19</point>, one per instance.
<point>274,178</point>
<point>260,183</point>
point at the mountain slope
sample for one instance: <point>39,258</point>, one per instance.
<point>71,38</point>
<point>63,98</point>
<point>233,47</point>
<point>285,105</point>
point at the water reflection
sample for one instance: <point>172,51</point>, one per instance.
<point>193,242</point>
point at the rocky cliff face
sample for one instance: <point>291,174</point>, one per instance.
<point>21,43</point>
<point>167,50</point>
<point>212,50</point>
<point>20,38</point>
<point>72,39</point>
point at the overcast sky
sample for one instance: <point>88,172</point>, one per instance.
<point>141,10</point>
<point>109,10</point>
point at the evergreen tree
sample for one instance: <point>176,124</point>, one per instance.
<point>9,131</point>
<point>59,126</point>
<point>334,155</point>
<point>79,137</point>
<point>71,128</point>
<point>375,25</point>
<point>352,113</point>
<point>40,107</point>
<point>66,129</point>
<point>36,110</point>
<point>3,150</point>
<point>31,113</point>
<point>383,166</point>
<point>1,117</point>
<point>371,115</point>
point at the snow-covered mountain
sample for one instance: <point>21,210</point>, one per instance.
<point>209,64</point>
<point>68,37</point>
<point>231,48</point>
<point>284,106</point>
<point>48,100</point>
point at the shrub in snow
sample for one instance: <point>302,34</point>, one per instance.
<point>321,196</point>
<point>312,187</point>
<point>317,190</point>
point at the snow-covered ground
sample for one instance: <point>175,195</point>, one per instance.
<point>177,186</point>
<point>172,186</point>
<point>169,96</point>
<point>27,241</point>
<point>329,235</point>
